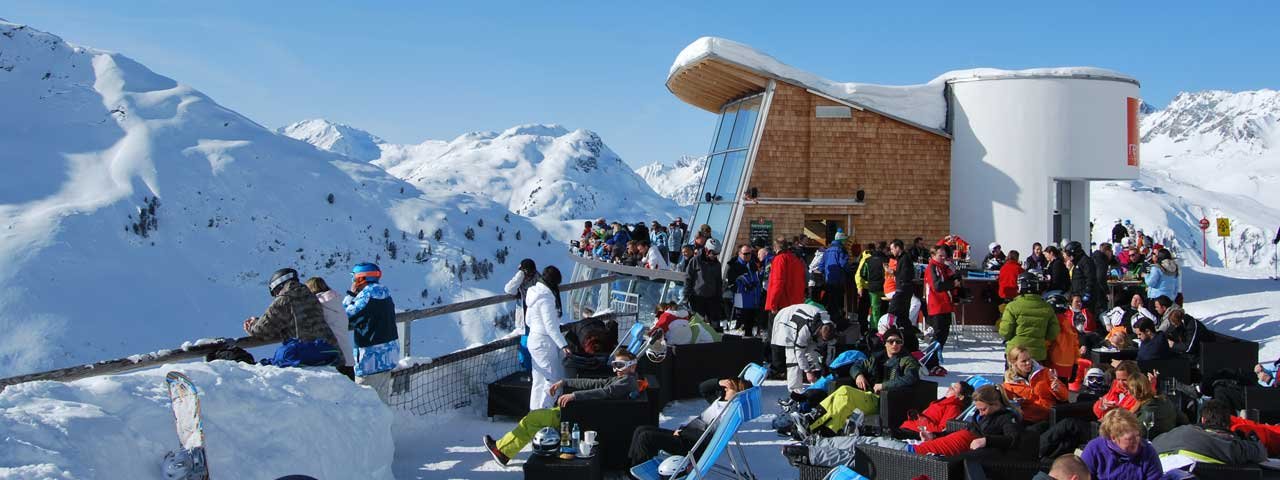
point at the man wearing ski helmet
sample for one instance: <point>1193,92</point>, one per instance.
<point>1028,321</point>
<point>798,330</point>
<point>371,315</point>
<point>294,313</point>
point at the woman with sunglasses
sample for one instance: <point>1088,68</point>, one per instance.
<point>648,440</point>
<point>624,384</point>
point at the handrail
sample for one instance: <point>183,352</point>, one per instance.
<point>650,273</point>
<point>133,362</point>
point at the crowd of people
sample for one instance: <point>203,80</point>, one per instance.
<point>355,333</point>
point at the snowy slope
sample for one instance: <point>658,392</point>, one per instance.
<point>1208,154</point>
<point>336,137</point>
<point>545,172</point>
<point>681,182</point>
<point>96,267</point>
<point>259,423</point>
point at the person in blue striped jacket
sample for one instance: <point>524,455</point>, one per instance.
<point>371,316</point>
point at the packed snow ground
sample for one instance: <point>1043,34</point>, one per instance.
<point>448,446</point>
<point>259,423</point>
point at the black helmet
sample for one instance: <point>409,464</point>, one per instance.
<point>1058,302</point>
<point>1028,283</point>
<point>1075,249</point>
<point>280,277</point>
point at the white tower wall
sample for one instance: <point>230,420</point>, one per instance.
<point>1016,138</point>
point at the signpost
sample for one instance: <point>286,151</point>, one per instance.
<point>1204,241</point>
<point>1224,231</point>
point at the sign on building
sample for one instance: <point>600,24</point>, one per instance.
<point>761,232</point>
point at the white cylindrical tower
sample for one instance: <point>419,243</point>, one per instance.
<point>1025,147</point>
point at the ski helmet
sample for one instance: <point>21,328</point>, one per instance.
<point>280,277</point>
<point>657,350</point>
<point>368,271</point>
<point>1028,283</point>
<point>546,442</point>
<point>1075,249</point>
<point>1059,302</point>
<point>673,466</point>
<point>1095,380</point>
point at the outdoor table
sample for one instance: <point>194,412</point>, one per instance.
<point>1104,357</point>
<point>553,468</point>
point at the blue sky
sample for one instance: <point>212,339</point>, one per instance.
<point>411,71</point>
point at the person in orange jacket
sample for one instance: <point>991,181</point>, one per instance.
<point>1036,388</point>
<point>1119,395</point>
<point>933,419</point>
<point>1064,350</point>
<point>1007,281</point>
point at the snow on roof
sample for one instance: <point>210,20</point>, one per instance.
<point>923,104</point>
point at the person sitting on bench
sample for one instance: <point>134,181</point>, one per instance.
<point>648,440</point>
<point>995,430</point>
<point>624,384</point>
<point>1036,388</point>
<point>1152,344</point>
<point>1212,440</point>
<point>889,369</point>
<point>933,420</point>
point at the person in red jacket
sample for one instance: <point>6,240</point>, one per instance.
<point>933,420</point>
<point>1119,395</point>
<point>786,278</point>
<point>939,281</point>
<point>1008,280</point>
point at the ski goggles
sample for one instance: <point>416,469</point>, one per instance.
<point>622,364</point>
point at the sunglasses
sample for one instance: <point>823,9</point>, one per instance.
<point>894,341</point>
<point>621,364</point>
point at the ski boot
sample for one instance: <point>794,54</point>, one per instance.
<point>796,454</point>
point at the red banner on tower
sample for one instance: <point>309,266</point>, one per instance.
<point>1134,137</point>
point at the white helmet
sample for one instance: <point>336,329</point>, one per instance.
<point>993,246</point>
<point>657,351</point>
<point>546,442</point>
<point>673,466</point>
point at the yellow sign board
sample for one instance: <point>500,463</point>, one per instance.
<point>1224,227</point>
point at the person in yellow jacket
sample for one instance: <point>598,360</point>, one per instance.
<point>864,300</point>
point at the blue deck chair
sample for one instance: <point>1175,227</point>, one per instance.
<point>974,381</point>
<point>744,406</point>
<point>843,472</point>
<point>636,339</point>
<point>754,373</point>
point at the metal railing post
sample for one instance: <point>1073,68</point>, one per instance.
<point>405,330</point>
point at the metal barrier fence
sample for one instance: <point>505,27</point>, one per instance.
<point>457,380</point>
<point>199,351</point>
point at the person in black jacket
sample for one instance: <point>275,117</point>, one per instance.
<point>1059,278</point>
<point>998,427</point>
<point>1153,345</point>
<point>647,441</point>
<point>873,273</point>
<point>703,286</point>
<point>1118,232</point>
<point>1104,259</point>
<point>900,304</point>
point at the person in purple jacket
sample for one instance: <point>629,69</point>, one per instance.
<point>1120,452</point>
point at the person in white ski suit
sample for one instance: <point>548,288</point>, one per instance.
<point>799,329</point>
<point>526,277</point>
<point>547,345</point>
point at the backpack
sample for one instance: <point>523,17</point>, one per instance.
<point>304,353</point>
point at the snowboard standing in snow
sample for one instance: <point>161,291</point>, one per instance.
<point>187,463</point>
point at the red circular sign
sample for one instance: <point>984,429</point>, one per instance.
<point>1204,224</point>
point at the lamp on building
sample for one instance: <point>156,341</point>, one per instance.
<point>753,193</point>
<point>860,195</point>
<point>706,197</point>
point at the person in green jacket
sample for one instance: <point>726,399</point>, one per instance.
<point>1028,320</point>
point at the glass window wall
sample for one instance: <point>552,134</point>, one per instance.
<point>726,165</point>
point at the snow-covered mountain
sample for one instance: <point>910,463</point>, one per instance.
<point>136,212</point>
<point>545,172</point>
<point>681,181</point>
<point>336,137</point>
<point>1208,154</point>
